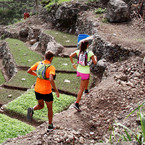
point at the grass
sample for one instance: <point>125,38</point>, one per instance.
<point>21,54</point>
<point>72,86</point>
<point>100,10</point>
<point>141,40</point>
<point>63,63</point>
<point>7,95</point>
<point>2,79</point>
<point>11,128</point>
<point>52,2</point>
<point>123,133</point>
<point>27,99</point>
<point>6,0</point>
<point>64,39</point>
<point>104,20</point>
<point>22,79</point>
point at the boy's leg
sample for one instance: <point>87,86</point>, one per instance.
<point>50,111</point>
<point>40,105</point>
<point>30,111</point>
<point>50,116</point>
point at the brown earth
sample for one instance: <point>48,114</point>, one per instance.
<point>120,91</point>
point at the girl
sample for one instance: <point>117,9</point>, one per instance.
<point>83,71</point>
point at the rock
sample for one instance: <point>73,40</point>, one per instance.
<point>121,77</point>
<point>117,11</point>
<point>23,34</point>
<point>130,84</point>
<point>56,48</point>
<point>143,61</point>
<point>32,41</point>
<point>44,39</point>
<point>81,140</point>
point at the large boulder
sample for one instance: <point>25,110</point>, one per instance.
<point>23,34</point>
<point>43,41</point>
<point>117,11</point>
<point>56,48</point>
<point>33,33</point>
<point>66,14</point>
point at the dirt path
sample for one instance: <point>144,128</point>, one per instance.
<point>112,99</point>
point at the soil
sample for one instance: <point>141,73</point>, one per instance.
<point>120,91</point>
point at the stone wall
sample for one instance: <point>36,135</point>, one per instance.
<point>37,39</point>
<point>7,60</point>
<point>68,17</point>
<point>106,53</point>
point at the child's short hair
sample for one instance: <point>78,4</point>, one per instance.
<point>48,55</point>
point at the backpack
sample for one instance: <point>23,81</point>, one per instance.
<point>41,70</point>
<point>82,58</point>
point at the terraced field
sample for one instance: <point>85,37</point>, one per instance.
<point>17,94</point>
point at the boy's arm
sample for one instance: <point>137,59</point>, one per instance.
<point>53,84</point>
<point>30,71</point>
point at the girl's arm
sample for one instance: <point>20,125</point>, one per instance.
<point>71,59</point>
<point>94,59</point>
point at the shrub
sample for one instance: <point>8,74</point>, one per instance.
<point>100,11</point>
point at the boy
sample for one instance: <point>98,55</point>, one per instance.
<point>43,90</point>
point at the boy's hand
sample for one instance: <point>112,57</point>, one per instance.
<point>57,94</point>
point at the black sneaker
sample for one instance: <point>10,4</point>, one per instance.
<point>50,128</point>
<point>30,113</point>
<point>76,106</point>
<point>86,91</point>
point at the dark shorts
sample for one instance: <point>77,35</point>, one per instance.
<point>45,97</point>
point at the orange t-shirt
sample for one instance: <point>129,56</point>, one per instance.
<point>43,86</point>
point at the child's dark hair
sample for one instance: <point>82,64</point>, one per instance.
<point>49,55</point>
<point>84,46</point>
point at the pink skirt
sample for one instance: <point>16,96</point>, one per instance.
<point>83,76</point>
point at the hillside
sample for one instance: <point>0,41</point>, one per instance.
<point>120,91</point>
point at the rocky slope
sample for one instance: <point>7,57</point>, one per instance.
<point>121,90</point>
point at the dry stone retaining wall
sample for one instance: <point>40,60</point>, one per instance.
<point>7,60</point>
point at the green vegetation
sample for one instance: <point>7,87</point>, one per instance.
<point>2,79</point>
<point>63,63</point>
<point>22,79</point>
<point>7,95</point>
<point>26,100</point>
<point>141,40</point>
<point>68,80</point>
<point>126,134</point>
<point>104,20</point>
<point>48,4</point>
<point>100,11</point>
<point>11,128</point>
<point>6,0</point>
<point>12,11</point>
<point>22,55</point>
<point>71,81</point>
<point>64,39</point>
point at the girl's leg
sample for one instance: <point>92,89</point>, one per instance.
<point>40,105</point>
<point>83,85</point>
<point>50,111</point>
<point>86,88</point>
